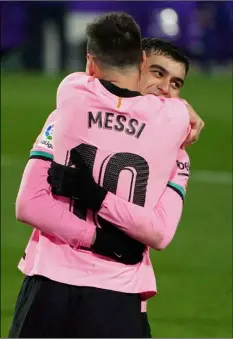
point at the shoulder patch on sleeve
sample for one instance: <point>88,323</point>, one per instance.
<point>46,138</point>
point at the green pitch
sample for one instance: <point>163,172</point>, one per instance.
<point>194,274</point>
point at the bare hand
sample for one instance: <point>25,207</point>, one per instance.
<point>197,124</point>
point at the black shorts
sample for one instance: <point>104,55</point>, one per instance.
<point>146,330</point>
<point>46,308</point>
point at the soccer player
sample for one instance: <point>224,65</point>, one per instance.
<point>53,253</point>
<point>164,75</point>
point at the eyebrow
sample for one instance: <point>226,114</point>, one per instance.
<point>158,67</point>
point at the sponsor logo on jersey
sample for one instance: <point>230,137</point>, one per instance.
<point>47,137</point>
<point>183,165</point>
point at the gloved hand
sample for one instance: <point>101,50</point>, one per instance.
<point>76,183</point>
<point>115,244</point>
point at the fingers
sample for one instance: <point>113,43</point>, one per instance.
<point>197,125</point>
<point>195,132</point>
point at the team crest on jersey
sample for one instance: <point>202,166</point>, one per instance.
<point>47,137</point>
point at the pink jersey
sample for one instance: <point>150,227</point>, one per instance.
<point>140,153</point>
<point>54,258</point>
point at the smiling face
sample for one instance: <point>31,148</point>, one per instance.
<point>162,76</point>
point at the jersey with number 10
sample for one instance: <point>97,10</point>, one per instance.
<point>130,143</point>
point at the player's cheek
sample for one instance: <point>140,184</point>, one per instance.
<point>144,83</point>
<point>174,93</point>
<point>155,81</point>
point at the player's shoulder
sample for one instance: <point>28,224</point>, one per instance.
<point>150,99</point>
<point>52,117</point>
<point>72,79</point>
<point>72,84</point>
<point>176,107</point>
<point>43,146</point>
<point>172,108</point>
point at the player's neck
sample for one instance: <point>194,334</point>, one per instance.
<point>129,80</point>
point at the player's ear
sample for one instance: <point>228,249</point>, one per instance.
<point>144,61</point>
<point>90,67</point>
<point>87,64</point>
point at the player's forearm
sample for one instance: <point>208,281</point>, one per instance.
<point>154,228</point>
<point>37,207</point>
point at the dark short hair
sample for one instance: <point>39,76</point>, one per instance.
<point>165,48</point>
<point>115,40</point>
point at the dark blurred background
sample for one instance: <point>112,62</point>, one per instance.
<point>49,35</point>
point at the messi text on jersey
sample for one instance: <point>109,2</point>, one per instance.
<point>116,122</point>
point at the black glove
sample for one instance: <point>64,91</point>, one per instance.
<point>115,244</point>
<point>76,183</point>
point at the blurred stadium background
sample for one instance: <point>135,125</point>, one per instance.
<point>43,41</point>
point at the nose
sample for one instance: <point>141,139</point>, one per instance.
<point>164,87</point>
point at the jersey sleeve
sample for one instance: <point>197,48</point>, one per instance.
<point>37,207</point>
<point>180,175</point>
<point>43,146</point>
<point>173,205</point>
<point>154,227</point>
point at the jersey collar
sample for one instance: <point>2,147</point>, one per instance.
<point>120,92</point>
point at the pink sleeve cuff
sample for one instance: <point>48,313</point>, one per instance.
<point>86,236</point>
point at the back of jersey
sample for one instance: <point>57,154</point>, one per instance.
<point>130,142</point>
